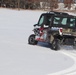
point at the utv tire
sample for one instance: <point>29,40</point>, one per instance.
<point>31,40</point>
<point>55,44</point>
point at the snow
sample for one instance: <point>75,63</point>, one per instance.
<point>61,6</point>
<point>17,57</point>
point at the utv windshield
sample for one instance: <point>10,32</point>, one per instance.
<point>64,21</point>
<point>44,20</point>
<point>41,20</point>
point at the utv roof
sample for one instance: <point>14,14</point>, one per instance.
<point>58,13</point>
<point>55,13</point>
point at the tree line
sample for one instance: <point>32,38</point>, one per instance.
<point>34,4</point>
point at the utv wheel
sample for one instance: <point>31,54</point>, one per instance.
<point>74,46</point>
<point>32,40</point>
<point>55,44</point>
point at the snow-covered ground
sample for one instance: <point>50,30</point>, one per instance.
<point>17,57</point>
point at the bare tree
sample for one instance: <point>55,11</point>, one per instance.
<point>29,4</point>
<point>18,4</point>
<point>53,4</point>
<point>68,3</point>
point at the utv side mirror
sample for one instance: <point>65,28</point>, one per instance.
<point>35,25</point>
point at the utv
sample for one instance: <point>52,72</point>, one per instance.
<point>56,28</point>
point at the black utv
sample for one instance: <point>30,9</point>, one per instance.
<point>56,28</point>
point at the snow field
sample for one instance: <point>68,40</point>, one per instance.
<point>17,57</point>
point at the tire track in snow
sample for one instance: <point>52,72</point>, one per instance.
<point>71,70</point>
